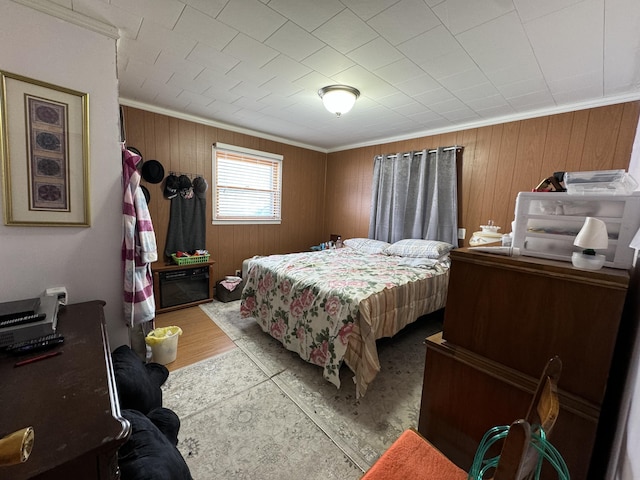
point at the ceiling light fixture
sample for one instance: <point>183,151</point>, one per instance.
<point>338,99</point>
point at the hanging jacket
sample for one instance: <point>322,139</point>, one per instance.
<point>138,246</point>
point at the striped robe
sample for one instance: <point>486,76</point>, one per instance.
<point>138,246</point>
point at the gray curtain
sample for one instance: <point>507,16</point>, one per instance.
<point>414,195</point>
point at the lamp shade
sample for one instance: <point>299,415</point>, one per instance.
<point>338,99</point>
<point>593,235</point>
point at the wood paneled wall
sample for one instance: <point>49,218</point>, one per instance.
<point>331,194</point>
<point>186,147</point>
<point>497,162</point>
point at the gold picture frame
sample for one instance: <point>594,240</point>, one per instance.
<point>44,139</point>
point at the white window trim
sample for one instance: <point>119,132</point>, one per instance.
<point>248,151</point>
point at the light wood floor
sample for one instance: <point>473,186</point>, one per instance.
<point>201,338</point>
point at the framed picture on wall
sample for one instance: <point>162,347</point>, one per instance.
<point>44,139</point>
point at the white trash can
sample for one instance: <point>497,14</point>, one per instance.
<point>164,344</point>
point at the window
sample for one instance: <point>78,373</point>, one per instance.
<point>247,185</point>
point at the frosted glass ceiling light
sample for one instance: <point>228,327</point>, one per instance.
<point>338,99</point>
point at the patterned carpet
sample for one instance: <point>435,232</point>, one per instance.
<point>260,412</point>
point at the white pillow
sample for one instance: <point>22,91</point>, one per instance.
<point>418,248</point>
<point>366,245</point>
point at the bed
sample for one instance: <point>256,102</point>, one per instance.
<point>331,306</point>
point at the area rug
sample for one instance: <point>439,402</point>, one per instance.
<point>261,412</point>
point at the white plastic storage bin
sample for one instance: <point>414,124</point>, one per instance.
<point>547,223</point>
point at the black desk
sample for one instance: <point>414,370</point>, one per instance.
<point>70,400</point>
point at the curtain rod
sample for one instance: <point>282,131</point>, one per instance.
<point>420,152</point>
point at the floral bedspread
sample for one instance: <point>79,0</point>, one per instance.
<point>309,301</point>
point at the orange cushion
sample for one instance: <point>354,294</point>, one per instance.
<point>413,457</point>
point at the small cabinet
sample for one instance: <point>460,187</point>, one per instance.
<point>546,224</point>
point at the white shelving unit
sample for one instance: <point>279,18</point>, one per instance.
<point>547,224</point>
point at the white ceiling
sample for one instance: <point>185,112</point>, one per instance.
<point>422,66</point>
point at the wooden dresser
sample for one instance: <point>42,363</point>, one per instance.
<point>504,318</point>
<point>70,400</point>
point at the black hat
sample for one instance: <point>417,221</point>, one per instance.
<point>147,195</point>
<point>171,185</point>
<point>200,186</point>
<point>152,171</point>
<point>185,186</point>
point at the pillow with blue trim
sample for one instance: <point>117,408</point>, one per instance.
<point>366,245</point>
<point>417,248</point>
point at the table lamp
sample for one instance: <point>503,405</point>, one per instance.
<point>592,236</point>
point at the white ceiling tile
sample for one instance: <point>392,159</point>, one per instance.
<point>208,7</point>
<point>139,51</point>
<point>252,18</point>
<point>294,41</point>
<point>461,115</point>
<point>366,9</point>
<point>194,98</point>
<point>449,64</point>
<point>197,85</point>
<point>429,46</point>
<point>477,91</point>
<point>565,47</point>
<point>279,86</point>
<point>375,54</point>
<point>532,100</point>
<point>345,32</point>
<point>402,70</point>
<point>404,20</point>
<point>528,10</point>
<point>577,95</point>
<point>249,90</point>
<point>498,44</point>
<point>156,72</point>
<point>450,105</point>
<point>621,46</point>
<point>370,85</point>
<point>409,109</point>
<point>265,73</point>
<point>426,116</point>
<point>396,100</point>
<point>285,67</point>
<point>162,12</point>
<point>313,82</point>
<point>461,15</point>
<point>172,62</point>
<point>210,57</point>
<point>217,80</point>
<point>464,80</point>
<point>437,96</point>
<point>496,112</point>
<point>309,14</point>
<point>417,85</point>
<point>164,39</point>
<point>328,61</point>
<point>249,50</point>
<point>583,81</point>
<point>249,73</point>
<point>194,24</point>
<point>485,102</point>
<point>522,87</point>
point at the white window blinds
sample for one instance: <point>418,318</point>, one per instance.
<point>246,185</point>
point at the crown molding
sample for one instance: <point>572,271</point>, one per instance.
<point>55,10</point>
